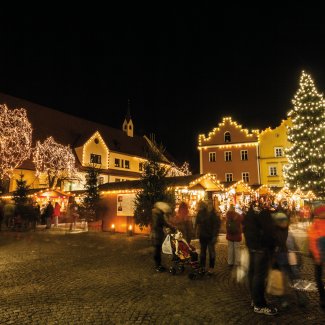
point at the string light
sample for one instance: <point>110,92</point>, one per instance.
<point>226,122</point>
<point>15,139</point>
<point>55,160</point>
<point>306,155</point>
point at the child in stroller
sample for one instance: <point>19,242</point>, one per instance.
<point>184,254</point>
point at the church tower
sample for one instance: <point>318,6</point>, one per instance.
<point>127,126</point>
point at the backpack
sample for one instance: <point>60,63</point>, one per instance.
<point>232,226</point>
<point>321,247</point>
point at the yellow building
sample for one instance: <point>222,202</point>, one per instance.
<point>272,145</point>
<point>118,153</point>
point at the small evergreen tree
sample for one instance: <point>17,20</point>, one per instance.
<point>20,194</point>
<point>92,198</point>
<point>154,188</point>
<point>306,155</point>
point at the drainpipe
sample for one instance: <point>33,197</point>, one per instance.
<point>258,163</point>
<point>201,161</point>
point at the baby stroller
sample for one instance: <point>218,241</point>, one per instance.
<point>183,254</point>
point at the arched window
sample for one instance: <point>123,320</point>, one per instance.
<point>227,137</point>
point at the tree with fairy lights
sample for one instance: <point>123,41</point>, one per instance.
<point>306,155</point>
<point>15,140</point>
<point>55,160</point>
<point>20,194</point>
<point>154,187</point>
<point>92,196</point>
<point>174,170</point>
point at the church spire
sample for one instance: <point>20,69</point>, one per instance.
<point>128,113</point>
<point>127,126</point>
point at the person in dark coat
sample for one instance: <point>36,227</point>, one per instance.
<point>48,213</point>
<point>160,214</point>
<point>207,226</point>
<point>259,233</point>
<point>281,221</point>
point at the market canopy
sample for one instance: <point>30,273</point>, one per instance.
<point>205,182</point>
<point>265,190</point>
<point>240,187</point>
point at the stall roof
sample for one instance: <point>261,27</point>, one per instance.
<point>240,187</point>
<point>207,182</point>
<point>265,190</point>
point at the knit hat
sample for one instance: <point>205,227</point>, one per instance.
<point>164,207</point>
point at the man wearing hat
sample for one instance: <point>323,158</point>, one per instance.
<point>316,236</point>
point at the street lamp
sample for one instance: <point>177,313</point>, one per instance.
<point>113,228</point>
<point>130,232</point>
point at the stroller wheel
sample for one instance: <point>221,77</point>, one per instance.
<point>192,276</point>
<point>181,269</point>
<point>172,270</point>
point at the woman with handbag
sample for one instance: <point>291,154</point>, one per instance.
<point>286,260</point>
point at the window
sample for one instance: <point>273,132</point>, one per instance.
<point>130,127</point>
<point>140,166</point>
<point>227,155</point>
<point>100,180</point>
<point>95,159</point>
<point>245,177</point>
<point>228,177</point>
<point>243,154</point>
<point>117,162</point>
<point>227,137</point>
<point>117,179</point>
<point>212,156</point>
<point>127,164</point>
<point>272,171</point>
<point>278,152</point>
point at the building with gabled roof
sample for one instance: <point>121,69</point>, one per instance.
<point>230,152</point>
<point>118,153</point>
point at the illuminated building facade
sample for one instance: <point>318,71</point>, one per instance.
<point>231,153</point>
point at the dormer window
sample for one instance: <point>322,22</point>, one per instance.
<point>95,159</point>
<point>227,137</point>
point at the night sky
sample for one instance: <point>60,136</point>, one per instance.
<point>182,68</point>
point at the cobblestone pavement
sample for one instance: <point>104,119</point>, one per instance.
<point>102,278</point>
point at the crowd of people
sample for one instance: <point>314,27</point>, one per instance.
<point>265,231</point>
<point>28,215</point>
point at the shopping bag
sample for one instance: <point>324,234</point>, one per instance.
<point>166,246</point>
<point>275,283</point>
<point>292,258</point>
<point>242,268</point>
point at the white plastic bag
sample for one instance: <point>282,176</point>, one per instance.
<point>167,246</point>
<point>242,268</point>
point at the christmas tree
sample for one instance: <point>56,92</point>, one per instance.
<point>92,197</point>
<point>306,155</point>
<point>20,194</point>
<point>154,188</point>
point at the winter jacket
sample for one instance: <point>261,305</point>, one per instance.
<point>238,218</point>
<point>158,224</point>
<point>315,231</point>
<point>208,224</point>
<point>259,230</point>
